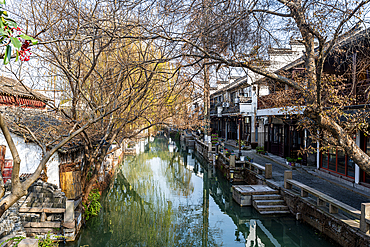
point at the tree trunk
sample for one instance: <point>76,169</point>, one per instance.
<point>344,140</point>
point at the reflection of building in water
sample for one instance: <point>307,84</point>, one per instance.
<point>140,146</point>
<point>251,239</point>
<point>191,163</point>
<point>254,240</point>
<point>172,147</point>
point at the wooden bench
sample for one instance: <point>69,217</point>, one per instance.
<point>322,198</point>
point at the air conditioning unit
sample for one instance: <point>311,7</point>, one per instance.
<point>225,104</point>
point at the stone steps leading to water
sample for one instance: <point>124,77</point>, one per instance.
<point>267,197</point>
<point>270,204</point>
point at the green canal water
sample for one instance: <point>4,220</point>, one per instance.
<point>164,197</point>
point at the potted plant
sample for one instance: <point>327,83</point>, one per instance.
<point>243,145</point>
<point>260,150</point>
<point>287,160</point>
<point>293,161</point>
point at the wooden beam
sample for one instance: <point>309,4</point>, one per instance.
<point>42,210</point>
<point>42,224</point>
<point>40,230</point>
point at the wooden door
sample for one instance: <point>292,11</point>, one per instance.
<point>70,183</point>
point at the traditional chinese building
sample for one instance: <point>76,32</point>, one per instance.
<point>13,93</point>
<point>266,113</point>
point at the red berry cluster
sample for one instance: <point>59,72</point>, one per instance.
<point>25,52</point>
<point>13,28</point>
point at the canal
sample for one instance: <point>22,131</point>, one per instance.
<point>164,197</point>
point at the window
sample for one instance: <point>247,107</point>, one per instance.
<point>341,155</point>
<point>324,159</point>
<point>232,97</point>
<point>332,159</point>
<point>336,160</point>
<point>266,133</point>
<point>271,132</point>
<point>367,146</point>
<point>280,134</point>
<point>350,168</point>
<point>276,134</point>
<point>294,137</point>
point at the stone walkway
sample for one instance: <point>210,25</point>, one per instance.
<point>307,175</point>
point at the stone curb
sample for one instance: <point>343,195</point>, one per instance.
<point>277,162</point>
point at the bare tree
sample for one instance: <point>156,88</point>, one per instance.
<point>241,32</point>
<point>117,82</point>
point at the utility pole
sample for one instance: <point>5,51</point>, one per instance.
<point>240,134</point>
<point>205,41</point>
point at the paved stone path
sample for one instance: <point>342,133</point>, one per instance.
<point>303,175</point>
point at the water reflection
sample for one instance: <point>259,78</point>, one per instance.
<point>164,197</point>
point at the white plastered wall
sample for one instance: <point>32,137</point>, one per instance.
<point>30,155</point>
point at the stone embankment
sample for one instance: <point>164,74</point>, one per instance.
<point>41,211</point>
<point>338,213</point>
<point>10,223</point>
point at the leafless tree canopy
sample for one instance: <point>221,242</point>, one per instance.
<point>123,66</point>
<point>112,79</point>
<point>240,33</point>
